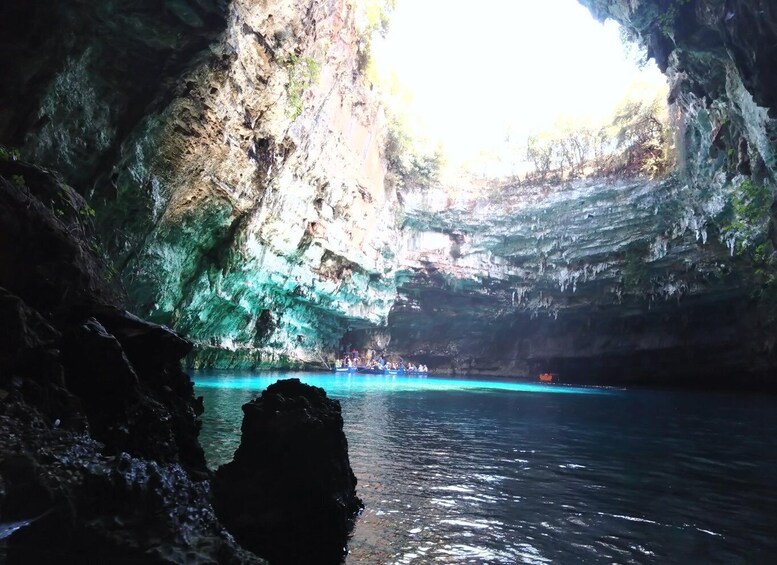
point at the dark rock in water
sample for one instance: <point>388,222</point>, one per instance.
<point>289,494</point>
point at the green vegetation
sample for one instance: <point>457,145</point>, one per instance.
<point>751,203</point>
<point>669,14</point>
<point>87,212</point>
<point>749,214</point>
<point>303,73</point>
<point>635,270</point>
<point>9,154</point>
<point>636,140</point>
<point>764,260</point>
<point>409,167</point>
<point>18,180</point>
<point>375,17</point>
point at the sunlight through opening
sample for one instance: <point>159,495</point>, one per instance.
<point>475,83</point>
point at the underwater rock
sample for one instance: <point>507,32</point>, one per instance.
<point>289,493</point>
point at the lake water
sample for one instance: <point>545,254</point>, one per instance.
<point>475,471</point>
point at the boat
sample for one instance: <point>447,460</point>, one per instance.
<point>378,371</point>
<point>371,370</point>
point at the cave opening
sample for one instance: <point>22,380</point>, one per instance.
<point>508,234</point>
<point>515,90</point>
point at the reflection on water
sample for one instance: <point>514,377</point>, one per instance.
<point>458,471</point>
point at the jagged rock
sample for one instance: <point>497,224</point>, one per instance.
<point>47,254</point>
<point>30,362</point>
<point>79,505</point>
<point>289,494</point>
<point>608,281</point>
<point>75,369</point>
<point>150,347</point>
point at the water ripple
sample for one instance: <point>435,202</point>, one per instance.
<point>479,475</point>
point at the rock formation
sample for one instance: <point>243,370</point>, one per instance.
<point>602,281</point>
<point>98,432</point>
<point>619,282</point>
<point>218,168</point>
<point>289,494</point>
<point>232,152</point>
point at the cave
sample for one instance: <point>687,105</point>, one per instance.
<point>216,185</point>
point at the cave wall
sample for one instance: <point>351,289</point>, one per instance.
<point>598,281</point>
<point>232,152</point>
<point>650,282</point>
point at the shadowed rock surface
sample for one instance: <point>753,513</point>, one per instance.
<point>289,494</point>
<point>99,458</point>
<point>178,121</point>
<point>599,281</point>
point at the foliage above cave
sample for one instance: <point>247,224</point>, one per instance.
<point>410,167</point>
<point>634,140</point>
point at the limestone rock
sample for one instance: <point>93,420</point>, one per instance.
<point>99,458</point>
<point>289,493</point>
<point>79,505</point>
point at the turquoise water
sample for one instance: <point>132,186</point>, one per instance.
<point>345,384</point>
<point>493,471</point>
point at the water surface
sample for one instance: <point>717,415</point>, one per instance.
<point>475,471</point>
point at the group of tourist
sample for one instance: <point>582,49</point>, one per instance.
<point>354,360</point>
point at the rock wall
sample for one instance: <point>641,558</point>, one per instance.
<point>263,227</point>
<point>609,281</point>
<point>232,152</point>
<point>99,458</point>
<point>620,281</point>
<point>218,161</point>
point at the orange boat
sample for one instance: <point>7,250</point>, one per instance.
<point>546,378</point>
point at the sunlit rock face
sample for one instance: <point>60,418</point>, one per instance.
<point>621,281</point>
<point>264,226</point>
<point>598,281</point>
<point>240,195</point>
<point>719,57</point>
